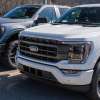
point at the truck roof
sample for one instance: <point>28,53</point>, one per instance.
<point>30,5</point>
<point>89,5</point>
<point>40,5</point>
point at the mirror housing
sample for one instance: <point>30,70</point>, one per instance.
<point>40,20</point>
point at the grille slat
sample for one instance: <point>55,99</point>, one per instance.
<point>39,40</point>
<point>41,51</point>
<point>48,50</point>
<point>40,44</point>
<point>36,54</point>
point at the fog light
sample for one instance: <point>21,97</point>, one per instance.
<point>71,72</point>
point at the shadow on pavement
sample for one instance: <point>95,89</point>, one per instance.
<point>19,87</point>
<point>4,68</point>
<point>23,88</point>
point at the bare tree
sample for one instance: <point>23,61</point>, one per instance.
<point>5,5</point>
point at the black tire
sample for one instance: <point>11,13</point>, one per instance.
<point>94,93</point>
<point>12,47</point>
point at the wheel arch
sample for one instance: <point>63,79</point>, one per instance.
<point>14,35</point>
<point>95,67</point>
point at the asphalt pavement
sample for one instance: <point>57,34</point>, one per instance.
<point>15,86</point>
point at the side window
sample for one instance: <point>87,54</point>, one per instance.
<point>19,13</point>
<point>48,13</point>
<point>31,11</point>
<point>63,10</point>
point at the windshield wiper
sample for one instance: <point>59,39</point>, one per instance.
<point>57,23</point>
<point>80,23</point>
<point>90,24</point>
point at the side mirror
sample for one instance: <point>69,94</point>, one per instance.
<point>40,20</point>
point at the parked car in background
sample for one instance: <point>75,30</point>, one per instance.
<point>20,18</point>
<point>66,51</point>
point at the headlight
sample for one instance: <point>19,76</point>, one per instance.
<point>2,29</point>
<point>79,52</point>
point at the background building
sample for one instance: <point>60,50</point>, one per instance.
<point>5,5</point>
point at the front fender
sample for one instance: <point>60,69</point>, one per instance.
<point>9,34</point>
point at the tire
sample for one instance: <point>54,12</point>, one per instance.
<point>10,55</point>
<point>94,93</point>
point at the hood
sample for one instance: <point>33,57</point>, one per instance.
<point>63,31</point>
<point>8,20</point>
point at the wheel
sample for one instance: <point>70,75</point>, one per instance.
<point>94,92</point>
<point>10,56</point>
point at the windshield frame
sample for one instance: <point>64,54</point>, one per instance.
<point>59,21</point>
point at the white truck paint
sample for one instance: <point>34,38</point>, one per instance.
<point>66,73</point>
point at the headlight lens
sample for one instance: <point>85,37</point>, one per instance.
<point>2,29</point>
<point>79,52</point>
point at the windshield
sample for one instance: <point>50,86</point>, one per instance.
<point>80,15</point>
<point>21,12</point>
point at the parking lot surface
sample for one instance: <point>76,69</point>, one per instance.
<point>15,86</point>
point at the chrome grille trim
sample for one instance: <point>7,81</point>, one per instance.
<point>46,51</point>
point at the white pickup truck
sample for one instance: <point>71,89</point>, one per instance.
<point>66,51</point>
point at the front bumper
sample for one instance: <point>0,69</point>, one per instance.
<point>80,78</point>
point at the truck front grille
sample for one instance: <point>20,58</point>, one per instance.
<point>47,50</point>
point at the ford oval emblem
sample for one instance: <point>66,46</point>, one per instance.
<point>33,48</point>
